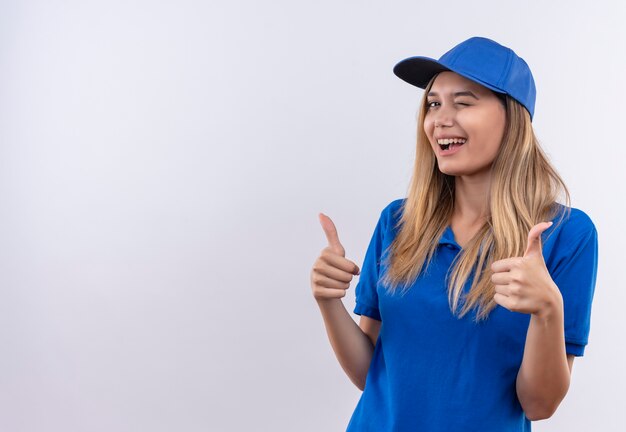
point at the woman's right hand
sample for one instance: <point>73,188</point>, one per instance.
<point>332,272</point>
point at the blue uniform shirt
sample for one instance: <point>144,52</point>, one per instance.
<point>433,372</point>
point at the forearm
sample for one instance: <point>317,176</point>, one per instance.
<point>352,347</point>
<point>544,376</point>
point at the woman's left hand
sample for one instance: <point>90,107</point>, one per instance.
<point>523,284</point>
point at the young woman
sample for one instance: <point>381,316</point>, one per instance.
<point>476,289</point>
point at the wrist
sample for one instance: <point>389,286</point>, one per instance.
<point>552,308</point>
<point>328,302</point>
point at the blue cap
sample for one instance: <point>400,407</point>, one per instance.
<point>481,60</point>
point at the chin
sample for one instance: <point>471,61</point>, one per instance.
<point>452,171</point>
<point>457,171</point>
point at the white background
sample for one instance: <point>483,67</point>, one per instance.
<point>162,166</point>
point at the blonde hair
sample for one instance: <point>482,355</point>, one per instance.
<point>524,191</point>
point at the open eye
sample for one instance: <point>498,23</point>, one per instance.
<point>431,104</point>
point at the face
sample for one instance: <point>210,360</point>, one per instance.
<point>464,123</point>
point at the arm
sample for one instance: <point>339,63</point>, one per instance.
<point>330,278</point>
<point>353,345</point>
<point>523,284</point>
<point>544,376</point>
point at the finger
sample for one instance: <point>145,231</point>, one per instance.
<point>334,273</point>
<point>504,265</point>
<point>502,290</point>
<point>326,282</point>
<point>502,300</point>
<point>329,293</point>
<point>503,278</point>
<point>534,238</point>
<point>339,261</point>
<point>331,234</point>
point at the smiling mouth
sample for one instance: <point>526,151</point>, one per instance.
<point>449,144</point>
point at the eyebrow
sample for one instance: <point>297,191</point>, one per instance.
<point>462,93</point>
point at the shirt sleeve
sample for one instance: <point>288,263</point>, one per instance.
<point>366,288</point>
<point>575,275</point>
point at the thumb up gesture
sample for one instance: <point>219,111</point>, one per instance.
<point>523,284</point>
<point>332,272</point>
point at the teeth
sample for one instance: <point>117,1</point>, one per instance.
<point>451,141</point>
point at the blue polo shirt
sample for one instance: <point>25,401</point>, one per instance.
<point>433,372</point>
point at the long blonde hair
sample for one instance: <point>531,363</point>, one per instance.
<point>524,191</point>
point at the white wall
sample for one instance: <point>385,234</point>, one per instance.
<point>162,165</point>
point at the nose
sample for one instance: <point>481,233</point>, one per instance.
<point>444,116</point>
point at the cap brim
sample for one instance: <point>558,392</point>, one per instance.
<point>418,71</point>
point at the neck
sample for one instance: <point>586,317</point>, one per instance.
<point>471,198</point>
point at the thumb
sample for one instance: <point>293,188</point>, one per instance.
<point>331,234</point>
<point>534,239</point>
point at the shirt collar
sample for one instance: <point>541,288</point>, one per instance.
<point>447,238</point>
